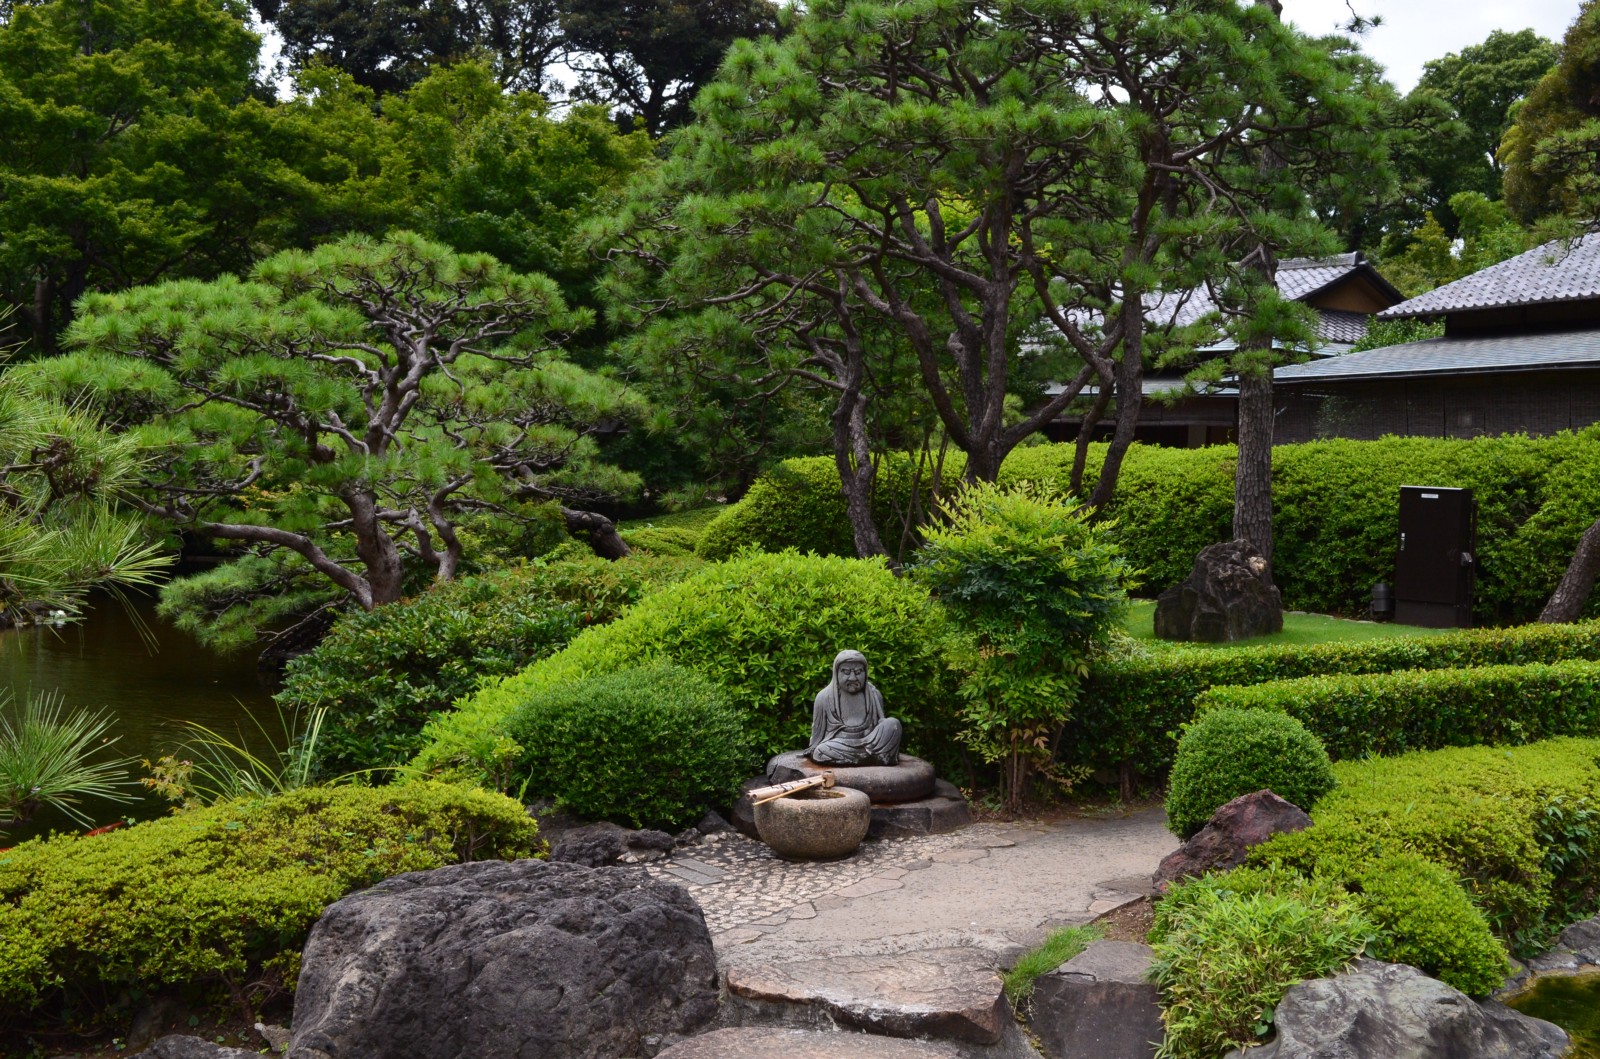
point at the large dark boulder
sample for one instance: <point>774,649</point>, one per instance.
<point>1392,1011</point>
<point>1228,596</point>
<point>1229,835</point>
<point>1100,1003</point>
<point>494,960</point>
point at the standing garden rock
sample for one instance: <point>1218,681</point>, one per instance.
<point>1397,1012</point>
<point>1099,1003</point>
<point>1229,835</point>
<point>493,960</point>
<point>1229,595</point>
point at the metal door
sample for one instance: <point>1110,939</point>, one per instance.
<point>1435,565</point>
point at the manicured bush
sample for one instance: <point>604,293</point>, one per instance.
<point>799,504</point>
<point>1391,713</point>
<point>1501,820</point>
<point>1227,753</point>
<point>1227,947</point>
<point>219,900</point>
<point>1134,702</point>
<point>651,747</point>
<point>382,674</point>
<point>1336,524</point>
<point>1039,588</point>
<point>765,628</point>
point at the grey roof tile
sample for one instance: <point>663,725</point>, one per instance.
<point>1454,356</point>
<point>1558,271</point>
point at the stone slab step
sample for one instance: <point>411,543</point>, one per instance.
<point>753,1042</point>
<point>944,994</point>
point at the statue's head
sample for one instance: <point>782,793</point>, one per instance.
<point>850,671</point>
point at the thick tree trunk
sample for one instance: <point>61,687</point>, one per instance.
<point>1568,600</point>
<point>599,531</point>
<point>1252,483</point>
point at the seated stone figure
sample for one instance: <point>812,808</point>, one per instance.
<point>847,722</point>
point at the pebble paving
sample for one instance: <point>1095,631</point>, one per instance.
<point>745,889</point>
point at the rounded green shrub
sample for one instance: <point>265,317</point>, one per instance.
<point>651,747</point>
<point>765,627</point>
<point>382,674</point>
<point>219,900</point>
<point>1227,753</point>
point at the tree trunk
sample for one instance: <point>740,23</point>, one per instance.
<point>1130,401</point>
<point>1252,481</point>
<point>599,531</point>
<point>1568,600</point>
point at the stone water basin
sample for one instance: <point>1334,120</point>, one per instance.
<point>1571,1001</point>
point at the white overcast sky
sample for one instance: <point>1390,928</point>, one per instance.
<point>1415,31</point>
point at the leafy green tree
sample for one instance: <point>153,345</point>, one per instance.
<point>390,45</point>
<point>1486,235</point>
<point>934,178</point>
<point>349,406</point>
<point>1478,86</point>
<point>102,108</point>
<point>648,58</point>
<point>1551,150</point>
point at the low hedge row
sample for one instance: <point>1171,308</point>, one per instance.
<point>764,627</point>
<point>1336,510</point>
<point>1133,704</point>
<point>1391,713</point>
<point>1516,826</point>
<point>218,901</point>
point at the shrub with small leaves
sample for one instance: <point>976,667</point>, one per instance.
<point>382,674</point>
<point>219,900</point>
<point>763,627</point>
<point>1039,588</point>
<point>651,747</point>
<point>1227,948</point>
<point>1227,753</point>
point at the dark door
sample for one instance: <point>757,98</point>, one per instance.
<point>1435,562</point>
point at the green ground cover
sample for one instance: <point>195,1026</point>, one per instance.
<point>1298,629</point>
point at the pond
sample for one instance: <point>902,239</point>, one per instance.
<point>1571,1001</point>
<point>149,682</point>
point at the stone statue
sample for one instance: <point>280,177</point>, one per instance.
<point>847,722</point>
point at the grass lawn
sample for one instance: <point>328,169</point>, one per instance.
<point>695,519</point>
<point>1297,629</point>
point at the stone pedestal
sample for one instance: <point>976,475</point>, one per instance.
<point>907,799</point>
<point>908,781</point>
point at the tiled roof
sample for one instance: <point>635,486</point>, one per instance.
<point>1340,325</point>
<point>1454,356</point>
<point>1558,271</point>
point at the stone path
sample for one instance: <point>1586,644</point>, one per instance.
<point>903,939</point>
<point>997,886</point>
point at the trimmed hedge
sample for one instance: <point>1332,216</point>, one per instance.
<point>383,674</point>
<point>1336,510</point>
<point>1227,753</point>
<point>220,899</point>
<point>765,628</point>
<point>1516,826</point>
<point>1391,713</point>
<point>652,747</point>
<point>1132,706</point>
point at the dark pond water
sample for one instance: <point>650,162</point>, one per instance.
<point>149,685</point>
<point>1571,1002</point>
